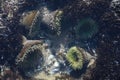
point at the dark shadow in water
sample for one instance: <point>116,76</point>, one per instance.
<point>78,73</point>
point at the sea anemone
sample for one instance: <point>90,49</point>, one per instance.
<point>28,18</point>
<point>75,58</point>
<point>31,21</point>
<point>57,21</point>
<point>86,28</point>
<point>30,59</point>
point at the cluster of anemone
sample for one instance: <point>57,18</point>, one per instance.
<point>86,28</point>
<point>75,58</point>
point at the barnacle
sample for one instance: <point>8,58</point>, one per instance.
<point>75,58</point>
<point>115,7</point>
<point>86,28</point>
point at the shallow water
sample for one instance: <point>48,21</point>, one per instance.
<point>104,42</point>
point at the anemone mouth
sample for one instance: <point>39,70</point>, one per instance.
<point>30,60</point>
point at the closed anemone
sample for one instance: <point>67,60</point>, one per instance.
<point>86,28</point>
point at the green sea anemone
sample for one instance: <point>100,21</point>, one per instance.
<point>86,28</point>
<point>75,58</point>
